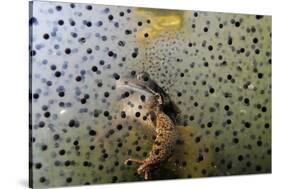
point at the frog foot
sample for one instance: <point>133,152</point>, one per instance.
<point>144,168</point>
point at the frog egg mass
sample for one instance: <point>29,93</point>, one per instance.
<point>112,86</point>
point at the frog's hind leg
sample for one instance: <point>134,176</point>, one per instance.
<point>143,168</point>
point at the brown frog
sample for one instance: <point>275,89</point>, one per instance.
<point>166,132</point>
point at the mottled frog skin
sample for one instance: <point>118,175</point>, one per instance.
<point>166,137</point>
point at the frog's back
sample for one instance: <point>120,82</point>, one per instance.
<point>166,137</point>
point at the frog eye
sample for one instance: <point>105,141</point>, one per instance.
<point>144,76</point>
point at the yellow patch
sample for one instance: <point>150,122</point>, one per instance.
<point>160,21</point>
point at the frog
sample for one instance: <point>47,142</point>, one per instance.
<point>165,141</point>
<point>163,114</point>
